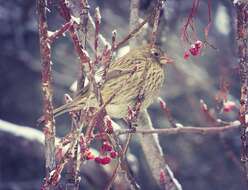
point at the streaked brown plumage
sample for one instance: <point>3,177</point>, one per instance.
<point>139,71</point>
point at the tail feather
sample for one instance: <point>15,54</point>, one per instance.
<point>62,109</point>
<point>71,106</point>
<point>76,104</point>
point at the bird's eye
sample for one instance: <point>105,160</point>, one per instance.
<point>155,53</point>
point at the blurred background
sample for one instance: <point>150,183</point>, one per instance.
<point>198,161</point>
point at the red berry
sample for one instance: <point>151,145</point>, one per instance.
<point>228,106</point>
<point>162,177</point>
<point>113,154</point>
<point>198,44</point>
<point>105,160</point>
<point>98,159</point>
<point>106,147</point>
<point>194,51</point>
<point>186,55</point>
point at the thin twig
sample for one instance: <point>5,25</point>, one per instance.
<point>83,55</point>
<point>130,35</point>
<point>84,19</point>
<point>205,110</point>
<point>167,112</point>
<point>133,20</point>
<point>158,8</point>
<point>125,167</point>
<point>60,32</point>
<point>97,31</point>
<point>114,174</point>
<point>184,130</point>
<point>84,7</point>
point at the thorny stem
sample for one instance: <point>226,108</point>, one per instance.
<point>49,122</point>
<point>242,39</point>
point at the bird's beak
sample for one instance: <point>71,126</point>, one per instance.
<point>164,59</point>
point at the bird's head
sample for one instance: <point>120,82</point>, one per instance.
<point>159,56</point>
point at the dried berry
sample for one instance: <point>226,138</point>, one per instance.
<point>186,55</point>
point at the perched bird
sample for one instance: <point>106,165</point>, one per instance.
<point>139,72</point>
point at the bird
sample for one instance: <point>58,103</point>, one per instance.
<point>140,72</point>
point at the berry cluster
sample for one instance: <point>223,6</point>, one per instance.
<point>195,49</point>
<point>107,154</point>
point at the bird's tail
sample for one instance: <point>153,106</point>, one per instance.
<point>74,105</point>
<point>63,109</point>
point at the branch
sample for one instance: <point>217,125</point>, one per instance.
<point>184,130</point>
<point>83,55</point>
<point>158,8</point>
<point>242,38</point>
<point>60,32</point>
<point>133,20</point>
<point>130,35</point>
<point>45,52</point>
<point>155,157</point>
<point>76,10</point>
